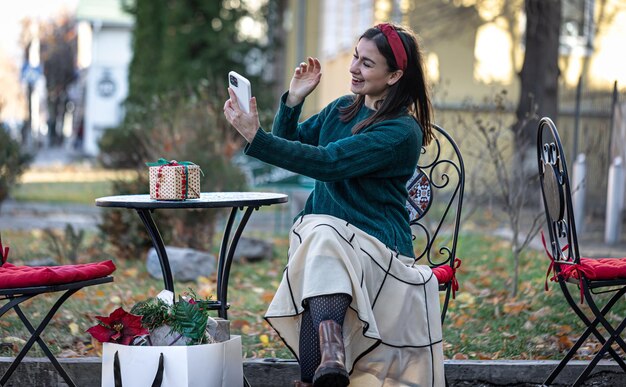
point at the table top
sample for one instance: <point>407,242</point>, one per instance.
<point>206,200</point>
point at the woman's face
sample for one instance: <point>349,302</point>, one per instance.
<point>370,74</point>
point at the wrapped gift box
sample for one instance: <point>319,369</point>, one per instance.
<point>174,181</point>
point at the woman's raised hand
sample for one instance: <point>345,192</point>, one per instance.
<point>305,79</point>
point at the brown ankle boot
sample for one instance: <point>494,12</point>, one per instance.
<point>298,383</point>
<point>332,370</point>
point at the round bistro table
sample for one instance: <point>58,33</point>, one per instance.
<point>246,202</point>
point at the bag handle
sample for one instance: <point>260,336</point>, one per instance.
<point>117,372</point>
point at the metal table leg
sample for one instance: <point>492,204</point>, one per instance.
<point>227,252</point>
<point>157,242</point>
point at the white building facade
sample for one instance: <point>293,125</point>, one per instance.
<point>104,55</point>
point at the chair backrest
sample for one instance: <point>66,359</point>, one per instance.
<point>556,194</point>
<point>435,202</point>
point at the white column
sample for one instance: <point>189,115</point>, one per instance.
<point>614,202</point>
<point>578,192</point>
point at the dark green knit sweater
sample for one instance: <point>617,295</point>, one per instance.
<point>359,178</point>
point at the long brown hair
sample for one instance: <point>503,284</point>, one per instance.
<point>410,92</point>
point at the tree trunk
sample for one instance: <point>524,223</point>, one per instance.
<point>540,71</point>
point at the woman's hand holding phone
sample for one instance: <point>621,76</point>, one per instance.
<point>246,121</point>
<point>305,79</point>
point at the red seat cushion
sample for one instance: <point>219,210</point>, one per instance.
<point>597,268</point>
<point>12,276</point>
<point>443,273</point>
<point>447,274</point>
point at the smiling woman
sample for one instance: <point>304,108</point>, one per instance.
<point>335,308</point>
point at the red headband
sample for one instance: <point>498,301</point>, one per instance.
<point>396,44</point>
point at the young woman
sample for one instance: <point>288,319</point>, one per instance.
<point>353,306</point>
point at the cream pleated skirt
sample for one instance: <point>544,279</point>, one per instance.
<point>392,331</point>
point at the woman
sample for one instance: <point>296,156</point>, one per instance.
<point>352,305</point>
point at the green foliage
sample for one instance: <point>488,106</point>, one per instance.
<point>184,317</point>
<point>154,311</point>
<point>189,320</point>
<point>13,162</point>
<point>178,44</point>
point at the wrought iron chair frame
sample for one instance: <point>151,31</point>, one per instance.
<point>557,199</point>
<point>442,173</point>
<point>16,296</point>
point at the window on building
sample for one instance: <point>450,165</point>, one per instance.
<point>342,23</point>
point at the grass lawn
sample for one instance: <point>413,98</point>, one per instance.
<point>483,322</point>
<point>68,185</point>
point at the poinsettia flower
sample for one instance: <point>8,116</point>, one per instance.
<point>120,327</point>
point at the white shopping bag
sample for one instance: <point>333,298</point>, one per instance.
<point>206,365</point>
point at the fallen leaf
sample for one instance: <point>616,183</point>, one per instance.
<point>267,297</point>
<point>515,308</point>
<point>132,272</point>
<point>543,312</point>
<point>73,328</point>
<point>564,343</point>
<point>466,298</point>
<point>460,356</point>
<point>13,340</point>
<point>508,335</point>
<point>68,353</point>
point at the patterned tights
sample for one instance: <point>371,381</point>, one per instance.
<point>318,309</point>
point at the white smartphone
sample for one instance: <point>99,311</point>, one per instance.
<point>242,89</point>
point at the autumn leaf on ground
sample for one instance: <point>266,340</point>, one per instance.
<point>565,343</point>
<point>460,356</point>
<point>563,330</point>
<point>264,339</point>
<point>132,272</point>
<point>543,312</point>
<point>68,353</point>
<point>267,297</point>
<point>461,320</point>
<point>73,328</point>
<point>515,308</point>
<point>508,335</point>
<point>466,298</point>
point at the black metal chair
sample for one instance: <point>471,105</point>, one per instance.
<point>434,205</point>
<point>589,276</point>
<point>44,280</point>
